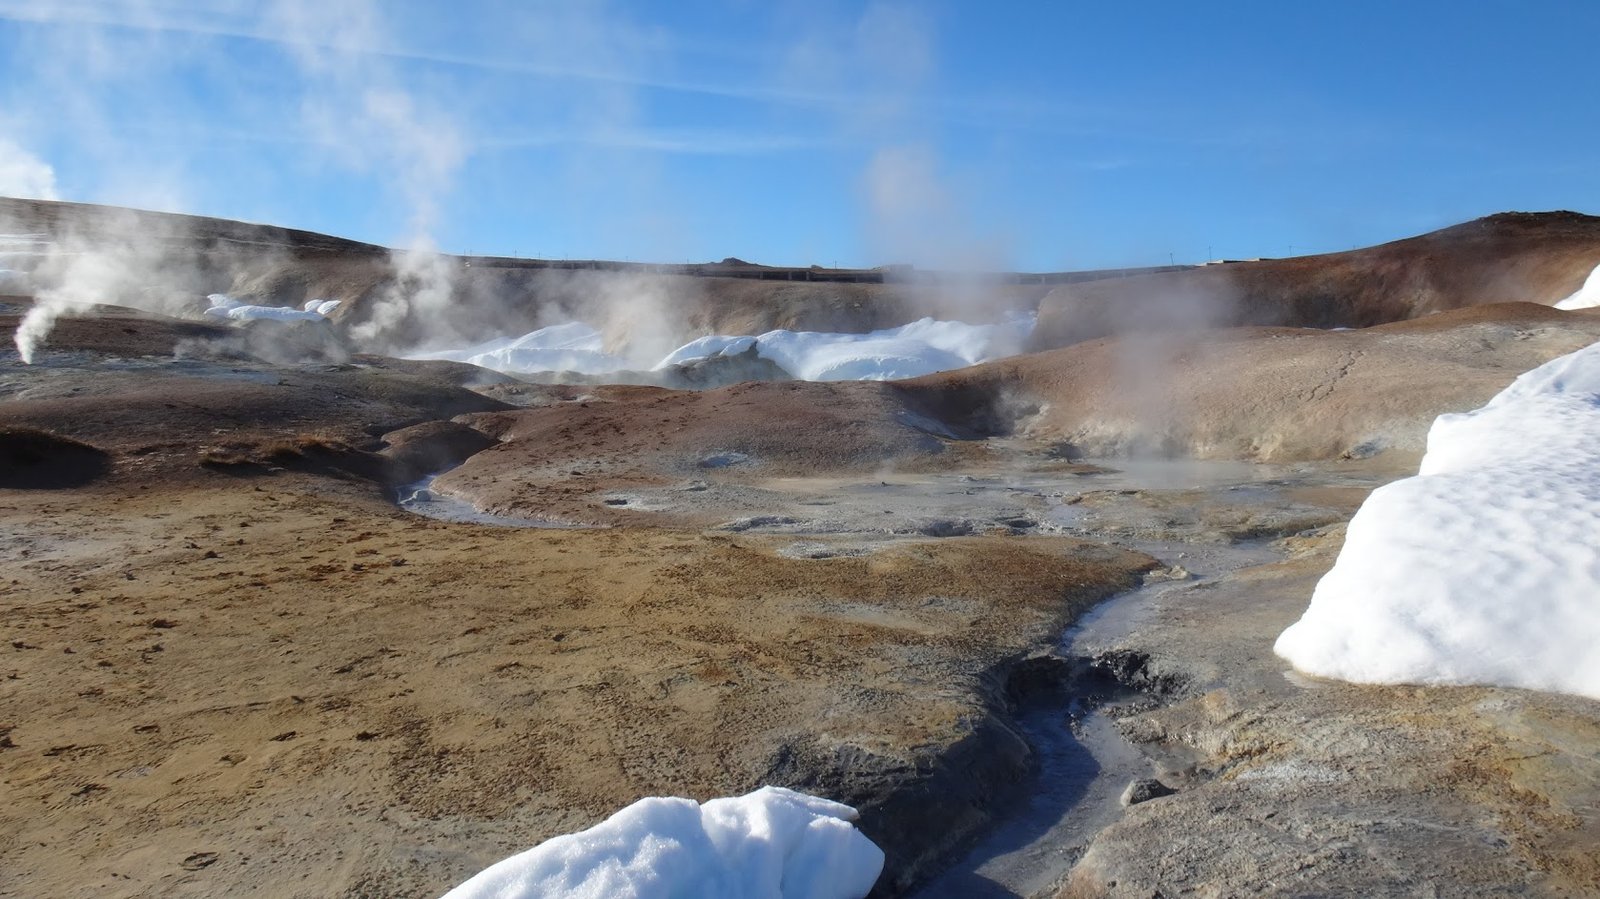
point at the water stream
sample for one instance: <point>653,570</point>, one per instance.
<point>421,499</point>
<point>1083,762</point>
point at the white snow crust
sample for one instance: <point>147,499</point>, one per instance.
<point>1485,567</point>
<point>770,844</point>
<point>922,347</point>
<point>224,306</point>
<point>1587,297</point>
<point>321,307</point>
<point>919,348</point>
<point>574,346</point>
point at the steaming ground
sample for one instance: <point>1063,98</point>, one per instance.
<point>922,347</point>
<point>73,256</point>
<point>237,666</point>
<point>224,628</point>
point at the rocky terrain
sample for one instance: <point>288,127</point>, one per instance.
<point>286,617</point>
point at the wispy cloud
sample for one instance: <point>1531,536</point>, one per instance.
<point>702,142</point>
<point>627,65</point>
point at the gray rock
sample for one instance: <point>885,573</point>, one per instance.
<point>1144,790</point>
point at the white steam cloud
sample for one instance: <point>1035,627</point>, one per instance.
<point>385,98</point>
<point>355,113</point>
<point>22,174</point>
<point>357,105</point>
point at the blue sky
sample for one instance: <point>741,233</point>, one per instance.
<point>955,134</point>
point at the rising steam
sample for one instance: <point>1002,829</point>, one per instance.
<point>22,174</point>
<point>356,113</point>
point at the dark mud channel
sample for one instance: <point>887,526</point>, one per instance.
<point>1066,707</point>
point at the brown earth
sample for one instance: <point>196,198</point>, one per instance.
<point>562,460</point>
<point>1264,394</point>
<point>330,697</point>
<point>1272,394</point>
<point>1510,257</point>
<point>234,667</point>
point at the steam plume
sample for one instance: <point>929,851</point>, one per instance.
<point>23,174</point>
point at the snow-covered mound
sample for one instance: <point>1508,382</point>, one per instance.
<point>919,348</point>
<point>706,347</point>
<point>574,347</point>
<point>321,307</point>
<point>922,347</point>
<point>770,844</point>
<point>1587,297</point>
<point>224,306</point>
<point>1485,567</point>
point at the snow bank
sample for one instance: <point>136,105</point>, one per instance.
<point>706,347</point>
<point>922,347</point>
<point>224,306</point>
<point>321,307</point>
<point>771,843</point>
<point>1485,567</point>
<point>919,348</point>
<point>574,346</point>
<point>1588,296</point>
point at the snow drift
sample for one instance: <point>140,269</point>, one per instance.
<point>574,347</point>
<point>1587,297</point>
<point>919,348</point>
<point>224,306</point>
<point>771,844</point>
<point>1485,567</point>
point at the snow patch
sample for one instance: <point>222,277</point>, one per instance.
<point>922,347</point>
<point>1587,297</point>
<point>1485,567</point>
<point>574,347</point>
<point>706,347</point>
<point>919,348</point>
<point>224,306</point>
<point>771,843</point>
<point>321,307</point>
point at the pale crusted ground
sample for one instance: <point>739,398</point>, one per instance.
<point>1290,786</point>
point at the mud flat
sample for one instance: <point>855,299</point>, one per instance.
<point>236,666</point>
<point>1052,753</point>
<point>1279,784</point>
<point>1286,785</point>
<point>1232,515</point>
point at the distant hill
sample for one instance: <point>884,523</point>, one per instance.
<point>171,261</point>
<point>1535,257</point>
